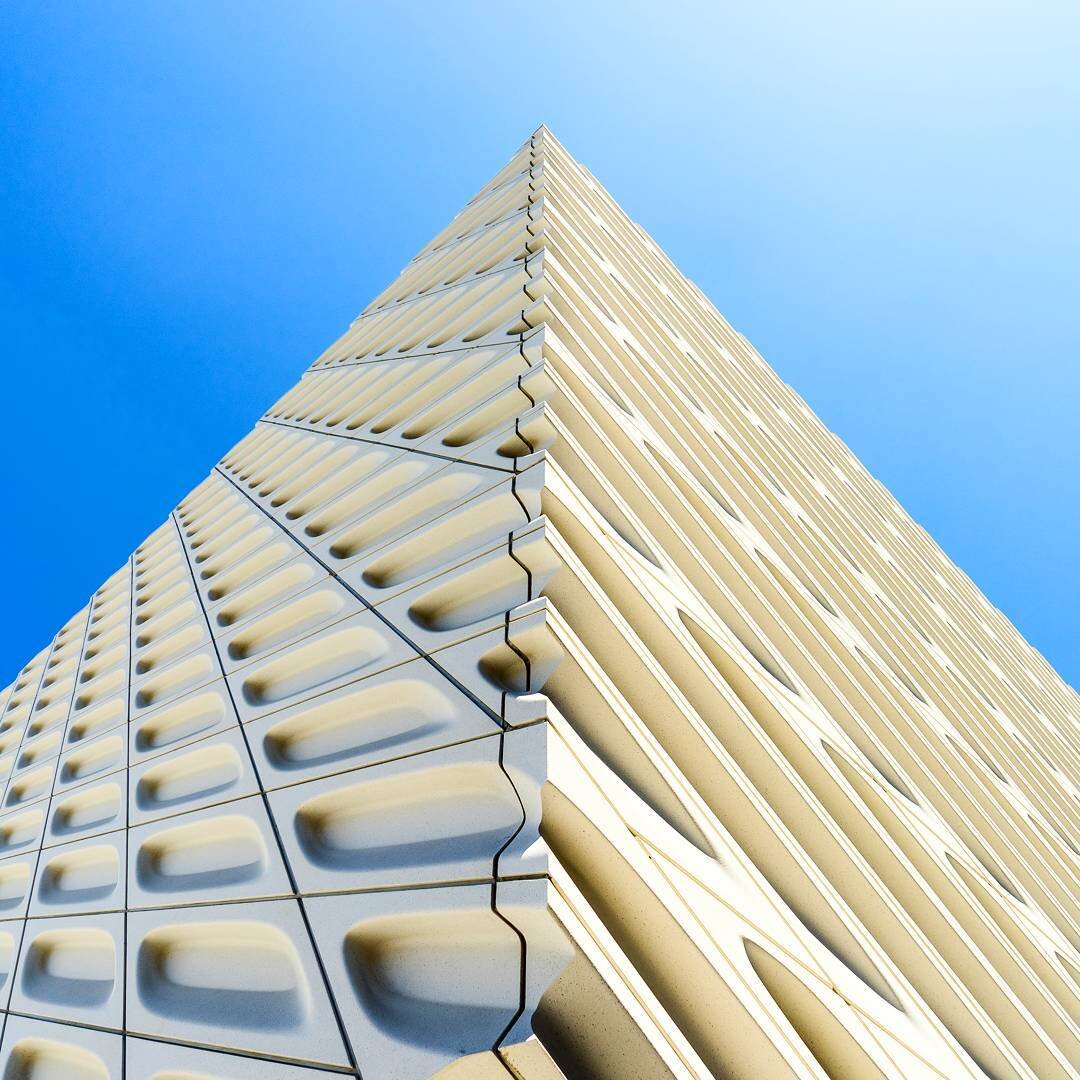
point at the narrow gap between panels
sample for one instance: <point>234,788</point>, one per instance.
<point>269,811</point>
<point>367,604</point>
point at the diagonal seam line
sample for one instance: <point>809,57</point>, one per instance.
<point>375,442</point>
<point>269,812</point>
<point>367,604</point>
<point>52,790</point>
<point>127,797</point>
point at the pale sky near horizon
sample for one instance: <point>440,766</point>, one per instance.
<point>198,198</point>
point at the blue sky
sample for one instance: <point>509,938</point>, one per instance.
<point>197,198</point>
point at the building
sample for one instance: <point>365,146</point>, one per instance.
<point>538,690</point>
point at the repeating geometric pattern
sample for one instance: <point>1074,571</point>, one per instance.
<point>539,690</point>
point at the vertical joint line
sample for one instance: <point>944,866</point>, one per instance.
<point>522,943</point>
<point>47,803</point>
<point>293,885</point>
<point>127,798</point>
<point>368,606</point>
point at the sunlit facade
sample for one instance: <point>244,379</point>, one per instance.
<point>539,690</point>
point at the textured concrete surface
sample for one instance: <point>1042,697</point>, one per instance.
<point>539,689</point>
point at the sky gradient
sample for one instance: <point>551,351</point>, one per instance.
<point>198,198</point>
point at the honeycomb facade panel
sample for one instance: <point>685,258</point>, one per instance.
<point>539,690</point>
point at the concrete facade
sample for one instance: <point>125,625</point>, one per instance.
<point>539,690</point>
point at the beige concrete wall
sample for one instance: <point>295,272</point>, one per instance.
<point>539,689</point>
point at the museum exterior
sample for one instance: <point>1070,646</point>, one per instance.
<point>539,690</point>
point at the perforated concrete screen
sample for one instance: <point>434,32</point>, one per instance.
<point>539,690</point>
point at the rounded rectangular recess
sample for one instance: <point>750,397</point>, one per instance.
<point>189,635</point>
<point>88,810</point>
<point>243,977</point>
<point>266,592</point>
<point>288,622</point>
<point>406,490</point>
<point>435,817</point>
<point>354,648</point>
<point>97,720</point>
<point>480,659</point>
<point>15,880</point>
<point>29,785</point>
<point>204,773</point>
<point>91,759</point>
<point>406,710</point>
<point>464,598</point>
<point>21,829</point>
<point>71,969</point>
<point>279,550</point>
<point>41,1048</point>
<point>431,525</point>
<point>81,877</point>
<point>225,852</point>
<point>37,750</point>
<point>178,679</point>
<point>428,975</point>
<point>196,716</point>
